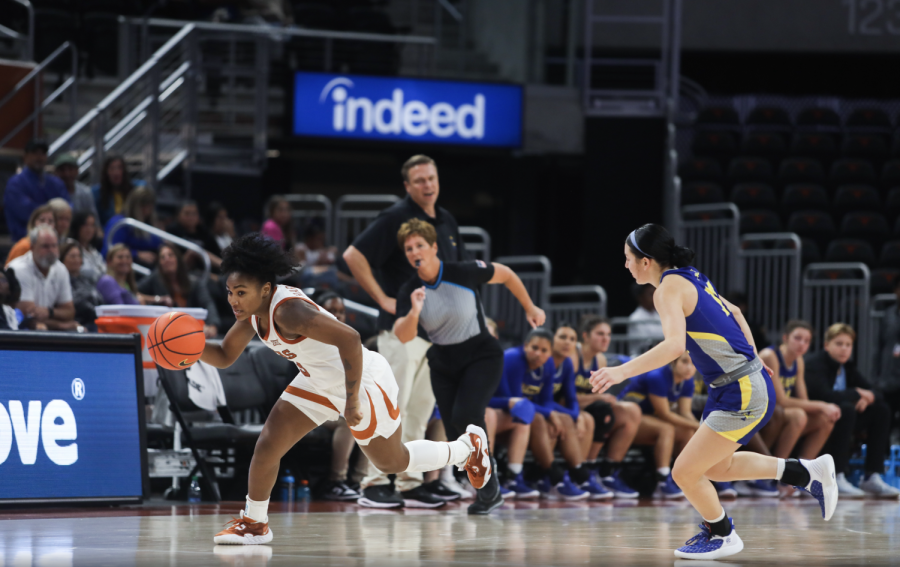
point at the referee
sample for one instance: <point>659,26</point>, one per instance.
<point>375,250</point>
<point>466,361</point>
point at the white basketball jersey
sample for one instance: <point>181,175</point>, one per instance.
<point>318,362</point>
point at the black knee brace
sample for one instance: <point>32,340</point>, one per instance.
<point>604,419</point>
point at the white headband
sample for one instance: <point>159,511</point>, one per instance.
<point>635,244</point>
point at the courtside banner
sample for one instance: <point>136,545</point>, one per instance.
<point>410,110</point>
<point>70,422</point>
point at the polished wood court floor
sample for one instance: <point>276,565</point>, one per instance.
<point>784,533</point>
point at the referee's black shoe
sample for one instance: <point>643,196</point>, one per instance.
<point>420,497</point>
<point>489,497</point>
<point>437,488</point>
<point>380,496</point>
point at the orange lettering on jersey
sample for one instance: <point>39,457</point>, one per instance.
<point>303,371</point>
<point>288,354</point>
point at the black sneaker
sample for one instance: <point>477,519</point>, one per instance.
<point>419,497</point>
<point>437,488</point>
<point>380,496</point>
<point>333,490</point>
<point>482,505</point>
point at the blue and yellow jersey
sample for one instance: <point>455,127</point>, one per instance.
<point>583,374</point>
<point>788,375</point>
<point>714,339</point>
<point>659,382</point>
<point>519,381</point>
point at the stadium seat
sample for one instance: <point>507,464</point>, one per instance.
<point>850,198</point>
<point>816,225</point>
<point>890,255</point>
<point>754,196</point>
<point>852,171</point>
<point>800,170</point>
<point>871,227</point>
<point>883,280</point>
<point>890,174</point>
<point>760,220</point>
<point>720,116</point>
<point>701,169</point>
<point>873,147</point>
<point>850,250</point>
<point>717,144</point>
<point>769,116</point>
<point>819,117</point>
<point>869,119</point>
<point>801,196</point>
<point>765,144</point>
<point>706,215</point>
<point>809,250</point>
<point>701,193</point>
<point>892,204</point>
<point>815,145</point>
<point>748,169</point>
<point>752,245</point>
<point>316,16</point>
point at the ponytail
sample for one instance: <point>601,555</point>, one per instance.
<point>654,241</point>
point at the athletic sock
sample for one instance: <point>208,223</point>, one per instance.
<point>793,472</point>
<point>257,511</point>
<point>427,455</point>
<point>662,473</point>
<point>609,468</point>
<point>515,468</point>
<point>555,473</point>
<point>720,526</point>
<point>579,474</point>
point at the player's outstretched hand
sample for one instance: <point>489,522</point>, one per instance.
<point>535,317</point>
<point>418,299</point>
<point>769,370</point>
<point>604,378</point>
<point>352,414</point>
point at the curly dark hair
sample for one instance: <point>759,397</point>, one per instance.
<point>258,257</point>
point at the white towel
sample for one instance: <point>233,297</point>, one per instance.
<point>205,386</point>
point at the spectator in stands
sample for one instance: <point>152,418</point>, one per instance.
<point>187,225</point>
<point>119,285</point>
<point>528,373</point>
<point>171,279</point>
<point>42,215</point>
<point>9,297</point>
<point>887,357</point>
<point>140,206</point>
<point>265,12</point>
<point>85,295</point>
<point>114,188</point>
<point>337,485</point>
<point>84,230</point>
<point>80,195</point>
<point>280,224</point>
<point>221,228</point>
<point>804,419</point>
<point>667,430</point>
<point>644,320</point>
<point>565,399</point>
<point>29,189</point>
<point>314,249</point>
<point>615,422</point>
<point>831,377</point>
<point>46,291</point>
<point>376,250</point>
<point>62,212</point>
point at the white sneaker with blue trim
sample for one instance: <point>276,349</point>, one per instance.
<point>707,546</point>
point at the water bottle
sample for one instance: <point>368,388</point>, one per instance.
<point>286,483</point>
<point>194,495</point>
<point>303,494</point>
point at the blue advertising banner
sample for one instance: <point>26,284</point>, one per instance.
<point>412,110</point>
<point>69,425</point>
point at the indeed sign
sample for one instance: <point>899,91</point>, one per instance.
<point>407,109</point>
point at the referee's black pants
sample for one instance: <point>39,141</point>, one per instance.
<point>464,378</point>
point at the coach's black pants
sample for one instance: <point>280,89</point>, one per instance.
<point>875,422</point>
<point>464,378</point>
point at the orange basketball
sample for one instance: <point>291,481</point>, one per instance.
<point>176,340</point>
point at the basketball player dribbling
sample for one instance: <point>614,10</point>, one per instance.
<point>337,376</point>
<point>741,394</point>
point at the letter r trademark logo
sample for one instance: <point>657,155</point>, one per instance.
<point>78,389</point>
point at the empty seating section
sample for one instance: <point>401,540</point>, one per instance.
<point>827,171</point>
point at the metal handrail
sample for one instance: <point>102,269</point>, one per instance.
<point>295,32</point>
<point>451,9</point>
<point>13,34</point>
<point>72,82</point>
<point>207,265</point>
<point>144,70</point>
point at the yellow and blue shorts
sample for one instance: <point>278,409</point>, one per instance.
<point>740,409</point>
